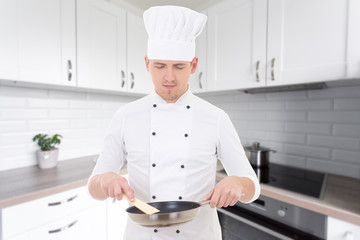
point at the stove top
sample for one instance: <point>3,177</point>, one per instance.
<point>298,180</point>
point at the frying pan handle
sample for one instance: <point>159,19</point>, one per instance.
<point>205,203</point>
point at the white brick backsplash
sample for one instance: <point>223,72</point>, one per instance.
<point>255,116</point>
<point>12,126</point>
<point>309,105</point>
<point>287,159</point>
<point>335,117</point>
<point>49,103</point>
<point>331,93</point>
<point>68,114</point>
<point>286,137</point>
<point>286,95</point>
<point>58,94</point>
<point>308,151</point>
<point>82,104</point>
<point>347,104</point>
<point>286,116</point>
<point>268,106</point>
<point>46,125</point>
<point>9,102</point>
<point>334,142</point>
<point>347,156</point>
<point>347,130</point>
<point>21,114</point>
<point>348,170</point>
<point>315,128</point>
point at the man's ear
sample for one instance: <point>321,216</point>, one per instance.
<point>194,64</point>
<point>147,63</point>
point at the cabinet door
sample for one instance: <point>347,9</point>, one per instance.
<point>138,78</point>
<point>307,41</point>
<point>340,230</point>
<point>197,80</point>
<point>101,45</point>
<point>353,47</point>
<point>236,44</point>
<point>38,41</point>
<point>8,40</point>
<point>89,224</point>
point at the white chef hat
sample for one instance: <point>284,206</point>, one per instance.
<point>172,32</point>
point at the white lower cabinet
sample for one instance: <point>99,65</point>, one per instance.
<point>67,215</point>
<point>341,230</point>
<point>89,224</point>
<point>116,218</point>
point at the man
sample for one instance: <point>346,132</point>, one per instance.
<point>172,139</point>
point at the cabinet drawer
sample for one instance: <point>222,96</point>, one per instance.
<point>27,216</point>
<point>89,224</point>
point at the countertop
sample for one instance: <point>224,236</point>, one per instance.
<point>340,199</point>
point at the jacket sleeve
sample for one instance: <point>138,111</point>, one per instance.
<point>112,155</point>
<point>232,155</point>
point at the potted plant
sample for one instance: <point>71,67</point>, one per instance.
<point>47,155</point>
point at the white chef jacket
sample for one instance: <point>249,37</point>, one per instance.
<point>171,151</point>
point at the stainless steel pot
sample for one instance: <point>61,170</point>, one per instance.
<point>258,156</point>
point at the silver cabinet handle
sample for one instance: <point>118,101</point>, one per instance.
<point>257,71</point>
<point>272,69</point>
<point>132,80</point>
<point>69,70</point>
<point>122,78</point>
<point>200,84</point>
<point>62,228</point>
<point>62,202</point>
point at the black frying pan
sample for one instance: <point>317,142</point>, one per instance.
<point>171,213</point>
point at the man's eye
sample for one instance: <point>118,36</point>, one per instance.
<point>179,67</point>
<point>159,67</point>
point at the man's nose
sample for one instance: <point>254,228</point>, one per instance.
<point>169,75</point>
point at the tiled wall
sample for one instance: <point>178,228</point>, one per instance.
<point>81,118</point>
<point>317,129</point>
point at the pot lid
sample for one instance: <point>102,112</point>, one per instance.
<point>256,148</point>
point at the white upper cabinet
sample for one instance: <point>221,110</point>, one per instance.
<point>197,80</point>
<point>138,78</point>
<point>8,41</point>
<point>38,41</point>
<point>258,43</point>
<point>308,41</point>
<point>101,45</point>
<point>236,44</point>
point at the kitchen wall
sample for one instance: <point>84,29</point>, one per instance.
<point>81,118</point>
<point>318,129</point>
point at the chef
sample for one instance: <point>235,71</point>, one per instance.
<point>172,139</point>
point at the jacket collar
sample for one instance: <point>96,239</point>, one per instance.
<point>185,99</point>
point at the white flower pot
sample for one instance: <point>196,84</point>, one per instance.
<point>47,159</point>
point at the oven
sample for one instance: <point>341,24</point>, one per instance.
<point>270,219</point>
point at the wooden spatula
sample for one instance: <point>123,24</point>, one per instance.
<point>143,206</point>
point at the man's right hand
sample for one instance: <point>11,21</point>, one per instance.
<point>111,185</point>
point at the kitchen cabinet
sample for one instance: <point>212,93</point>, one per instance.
<point>37,43</point>
<point>101,45</point>
<point>68,215</point>
<point>236,44</point>
<point>116,217</point>
<point>138,78</point>
<point>197,80</point>
<point>341,230</point>
<point>266,43</point>
<point>88,224</point>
